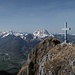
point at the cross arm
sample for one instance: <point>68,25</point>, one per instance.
<point>66,28</point>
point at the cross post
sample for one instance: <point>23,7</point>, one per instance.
<point>65,30</point>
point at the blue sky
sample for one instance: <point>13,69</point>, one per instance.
<point>31,15</point>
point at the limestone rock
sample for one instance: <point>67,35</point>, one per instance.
<point>50,57</point>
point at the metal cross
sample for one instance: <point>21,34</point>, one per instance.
<point>65,34</point>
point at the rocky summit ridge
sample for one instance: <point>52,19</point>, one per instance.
<point>50,57</point>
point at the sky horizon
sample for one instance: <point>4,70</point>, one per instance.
<point>31,15</point>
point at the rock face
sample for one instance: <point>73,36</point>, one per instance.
<point>50,57</point>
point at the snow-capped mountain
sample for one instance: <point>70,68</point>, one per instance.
<point>39,34</point>
<point>7,33</point>
<point>42,34</point>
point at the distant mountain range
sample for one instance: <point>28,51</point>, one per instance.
<point>15,46</point>
<point>37,34</point>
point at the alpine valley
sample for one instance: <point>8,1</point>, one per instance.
<point>15,46</point>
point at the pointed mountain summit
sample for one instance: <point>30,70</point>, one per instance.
<point>42,33</point>
<point>37,56</point>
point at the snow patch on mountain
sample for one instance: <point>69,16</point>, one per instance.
<point>42,34</point>
<point>7,33</point>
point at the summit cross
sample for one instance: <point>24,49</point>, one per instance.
<point>65,30</point>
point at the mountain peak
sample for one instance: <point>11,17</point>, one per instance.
<point>50,57</point>
<point>42,33</point>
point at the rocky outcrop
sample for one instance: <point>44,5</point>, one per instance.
<point>50,57</point>
<point>37,54</point>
